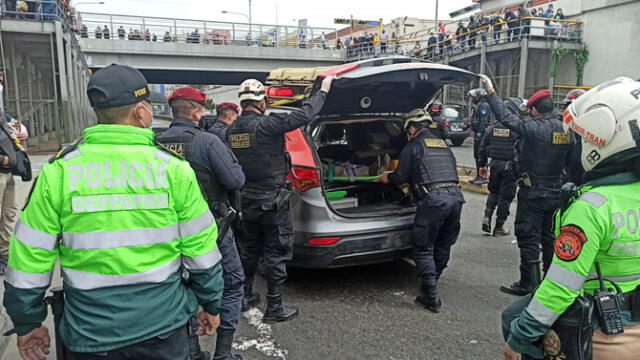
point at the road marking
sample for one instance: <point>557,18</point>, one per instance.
<point>265,343</point>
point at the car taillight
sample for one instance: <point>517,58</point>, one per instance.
<point>323,241</point>
<point>280,92</point>
<point>304,179</point>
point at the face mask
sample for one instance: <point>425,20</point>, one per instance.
<point>142,122</point>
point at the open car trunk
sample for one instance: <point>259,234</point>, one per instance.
<point>353,153</point>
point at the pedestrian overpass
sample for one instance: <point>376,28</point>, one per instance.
<point>200,52</point>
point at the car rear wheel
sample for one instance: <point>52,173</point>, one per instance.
<point>457,142</point>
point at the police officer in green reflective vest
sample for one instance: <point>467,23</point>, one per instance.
<point>599,226</point>
<point>124,217</point>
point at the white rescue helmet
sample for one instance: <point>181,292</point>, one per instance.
<point>251,89</point>
<point>416,116</point>
<point>607,118</point>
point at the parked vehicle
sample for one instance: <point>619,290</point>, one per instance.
<point>456,128</point>
<point>353,219</point>
<point>162,116</point>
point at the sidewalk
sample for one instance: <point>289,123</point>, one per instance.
<point>8,349</point>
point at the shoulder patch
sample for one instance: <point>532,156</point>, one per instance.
<point>435,143</point>
<point>560,138</point>
<point>164,148</point>
<point>569,243</point>
<point>501,132</point>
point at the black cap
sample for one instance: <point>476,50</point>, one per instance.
<point>120,84</point>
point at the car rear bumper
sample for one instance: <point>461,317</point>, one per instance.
<point>353,249</point>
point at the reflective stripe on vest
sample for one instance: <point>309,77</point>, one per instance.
<point>541,313</point>
<point>23,280</point>
<point>136,237</point>
<point>88,281</point>
<point>564,277</point>
<point>35,238</point>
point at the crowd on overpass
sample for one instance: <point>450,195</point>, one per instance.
<point>479,30</point>
<point>41,10</point>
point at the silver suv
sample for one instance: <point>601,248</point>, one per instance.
<point>343,215</point>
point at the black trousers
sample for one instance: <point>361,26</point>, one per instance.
<point>173,345</point>
<point>435,230</point>
<point>267,232</point>
<point>502,190</point>
<point>534,227</point>
<point>477,139</point>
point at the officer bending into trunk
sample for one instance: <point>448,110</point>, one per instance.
<point>429,165</point>
<point>258,141</point>
<point>598,225</point>
<point>499,144</point>
<point>218,173</point>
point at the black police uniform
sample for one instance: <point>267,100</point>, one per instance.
<point>218,173</point>
<point>545,151</point>
<point>219,129</point>
<point>429,165</point>
<point>259,144</point>
<point>499,144</point>
<point>481,119</point>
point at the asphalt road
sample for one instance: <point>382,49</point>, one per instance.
<point>368,312</point>
<point>464,153</point>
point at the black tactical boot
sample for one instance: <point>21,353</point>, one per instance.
<point>500,230</point>
<point>250,298</point>
<point>486,224</point>
<point>223,348</point>
<point>517,288</point>
<point>429,297</point>
<point>276,312</point>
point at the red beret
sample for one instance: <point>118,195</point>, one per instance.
<point>228,105</point>
<point>537,96</point>
<point>188,93</point>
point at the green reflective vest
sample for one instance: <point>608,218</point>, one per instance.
<point>602,225</point>
<point>123,217</point>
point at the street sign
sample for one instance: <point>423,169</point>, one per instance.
<point>355,21</point>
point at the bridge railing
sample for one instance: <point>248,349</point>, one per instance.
<point>451,44</point>
<point>136,28</point>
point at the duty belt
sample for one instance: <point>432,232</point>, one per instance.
<point>431,187</point>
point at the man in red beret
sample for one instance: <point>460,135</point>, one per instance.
<point>218,174</point>
<point>226,114</point>
<point>545,153</point>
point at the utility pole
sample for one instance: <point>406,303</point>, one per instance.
<point>250,17</point>
<point>436,24</point>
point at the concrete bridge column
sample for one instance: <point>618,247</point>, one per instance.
<point>65,111</point>
<point>524,57</point>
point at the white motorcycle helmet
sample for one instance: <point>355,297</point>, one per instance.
<point>607,118</point>
<point>416,116</point>
<point>252,89</point>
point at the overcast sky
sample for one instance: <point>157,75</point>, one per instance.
<point>318,13</point>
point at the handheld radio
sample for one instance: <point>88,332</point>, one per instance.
<point>608,307</point>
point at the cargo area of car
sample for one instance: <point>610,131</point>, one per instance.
<point>353,154</point>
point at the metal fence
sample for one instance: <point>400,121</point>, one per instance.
<point>513,31</point>
<point>45,76</point>
<point>121,27</point>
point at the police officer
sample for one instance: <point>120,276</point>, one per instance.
<point>258,142</point>
<point>429,165</point>
<point>226,114</point>
<point>480,120</point>
<point>218,173</point>
<point>123,216</point>
<point>597,227</point>
<point>435,127</point>
<point>577,171</point>
<point>499,144</point>
<point>545,150</point>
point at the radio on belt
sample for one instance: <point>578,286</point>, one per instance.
<point>608,307</point>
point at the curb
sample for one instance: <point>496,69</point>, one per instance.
<point>467,173</point>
